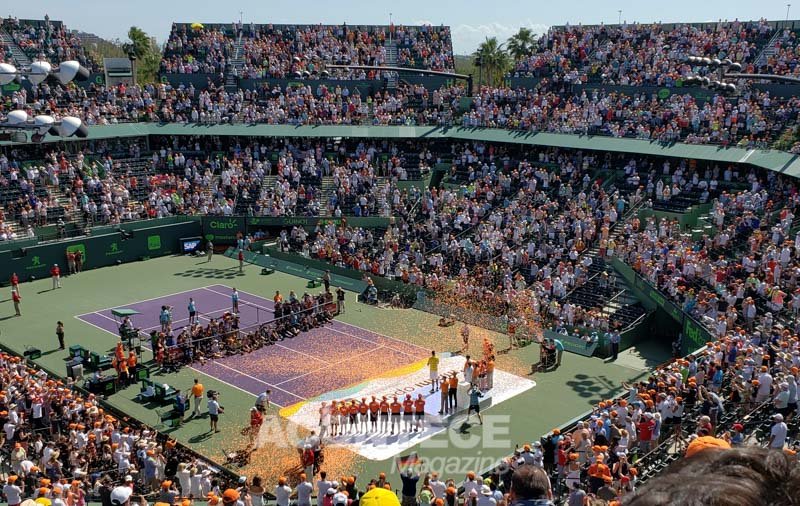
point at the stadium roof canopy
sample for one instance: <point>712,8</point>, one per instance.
<point>778,161</point>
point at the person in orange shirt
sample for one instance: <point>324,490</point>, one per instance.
<point>444,386</point>
<point>374,408</point>
<point>452,400</point>
<point>408,412</point>
<point>124,378</point>
<point>353,412</point>
<point>490,372</point>
<point>419,413</point>
<point>278,297</point>
<point>197,393</point>
<point>334,419</point>
<point>384,407</point>
<point>132,362</point>
<point>344,412</point>
<point>395,407</point>
<point>119,352</point>
<point>363,409</point>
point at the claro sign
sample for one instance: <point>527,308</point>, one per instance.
<point>223,225</point>
<point>223,230</point>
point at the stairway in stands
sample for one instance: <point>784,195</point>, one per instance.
<point>769,49</point>
<point>21,60</point>
<point>234,67</point>
<point>326,190</point>
<point>616,299</point>
<point>391,60</point>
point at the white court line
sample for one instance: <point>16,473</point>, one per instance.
<point>315,359</point>
<point>140,301</point>
<point>231,368</point>
<point>240,298</point>
<point>199,315</point>
<point>331,365</point>
<point>337,321</point>
<point>256,379</point>
<point>204,373</point>
<point>331,327</point>
<point>372,342</point>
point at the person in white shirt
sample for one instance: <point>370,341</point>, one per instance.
<point>323,484</point>
<point>12,491</point>
<point>486,497</point>
<point>437,486</point>
<point>778,433</point>
<point>282,492</point>
<point>303,491</point>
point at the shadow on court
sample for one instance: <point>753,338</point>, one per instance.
<point>211,273</point>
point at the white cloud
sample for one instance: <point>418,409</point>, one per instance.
<point>466,38</point>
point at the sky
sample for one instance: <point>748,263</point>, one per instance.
<point>471,20</point>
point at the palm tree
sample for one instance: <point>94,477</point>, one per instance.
<point>140,44</point>
<point>147,54</point>
<point>521,44</point>
<point>493,58</point>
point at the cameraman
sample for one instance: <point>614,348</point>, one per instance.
<point>214,409</point>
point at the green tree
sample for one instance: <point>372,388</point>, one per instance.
<point>492,60</point>
<point>147,53</point>
<point>522,44</point>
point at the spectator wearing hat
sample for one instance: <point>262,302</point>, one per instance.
<point>12,491</point>
<point>55,273</point>
<point>282,492</point>
<point>303,491</point>
<point>778,432</point>
<point>232,497</point>
<point>486,496</point>
<point>169,493</point>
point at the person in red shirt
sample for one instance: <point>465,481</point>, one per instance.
<point>256,419</point>
<point>71,262</point>
<point>374,408</point>
<point>395,407</point>
<point>55,273</point>
<point>241,261</point>
<point>16,298</point>
<point>384,407</point>
<point>419,413</point>
<point>646,428</point>
<point>14,282</point>
<point>363,409</point>
<point>408,412</point>
<point>353,417</point>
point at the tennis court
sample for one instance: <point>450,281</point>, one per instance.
<point>310,364</point>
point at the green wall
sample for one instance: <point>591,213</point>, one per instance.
<point>222,230</point>
<point>98,250</point>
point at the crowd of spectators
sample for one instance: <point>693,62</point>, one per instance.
<point>62,446</point>
<point>304,51</point>
<point>752,118</point>
<point>645,54</point>
<point>45,40</point>
<point>746,275</point>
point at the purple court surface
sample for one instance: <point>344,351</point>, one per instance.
<point>295,369</point>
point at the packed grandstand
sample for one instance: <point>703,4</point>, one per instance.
<point>573,236</point>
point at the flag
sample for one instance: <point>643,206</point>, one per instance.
<point>407,461</point>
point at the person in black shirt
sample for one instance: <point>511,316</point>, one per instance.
<point>340,300</point>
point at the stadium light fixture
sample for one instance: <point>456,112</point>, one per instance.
<point>18,123</point>
<point>39,71</point>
